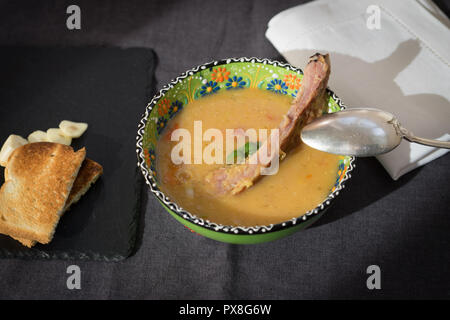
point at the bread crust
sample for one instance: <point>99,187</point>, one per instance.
<point>89,173</point>
<point>38,180</point>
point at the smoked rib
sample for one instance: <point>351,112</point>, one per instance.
<point>310,103</point>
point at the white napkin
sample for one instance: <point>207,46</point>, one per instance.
<point>402,67</point>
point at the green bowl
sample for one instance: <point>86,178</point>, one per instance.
<point>210,78</point>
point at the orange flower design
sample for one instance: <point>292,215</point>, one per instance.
<point>147,156</point>
<point>292,81</point>
<point>163,107</point>
<point>220,74</point>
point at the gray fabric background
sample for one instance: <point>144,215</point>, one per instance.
<point>402,226</point>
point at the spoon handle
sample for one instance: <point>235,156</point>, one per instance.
<point>408,135</point>
<point>427,142</point>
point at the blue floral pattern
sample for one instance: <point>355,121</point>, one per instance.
<point>235,83</point>
<point>175,107</point>
<point>340,174</point>
<point>277,86</point>
<point>209,88</point>
<point>161,124</point>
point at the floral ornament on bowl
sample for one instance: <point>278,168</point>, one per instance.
<point>150,158</point>
<point>175,107</point>
<point>163,107</point>
<point>161,124</point>
<point>277,86</point>
<point>209,88</point>
<point>293,81</point>
<point>220,74</point>
<point>235,83</point>
<point>340,174</point>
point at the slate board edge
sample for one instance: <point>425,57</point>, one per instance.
<point>59,255</point>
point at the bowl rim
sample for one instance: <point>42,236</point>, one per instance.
<point>205,223</point>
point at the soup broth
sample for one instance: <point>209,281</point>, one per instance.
<point>304,179</point>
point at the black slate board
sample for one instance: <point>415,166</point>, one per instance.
<point>108,88</point>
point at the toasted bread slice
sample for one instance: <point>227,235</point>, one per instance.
<point>38,180</point>
<point>89,172</point>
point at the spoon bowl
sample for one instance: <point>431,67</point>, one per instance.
<point>360,132</point>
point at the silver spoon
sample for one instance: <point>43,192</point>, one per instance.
<point>360,132</point>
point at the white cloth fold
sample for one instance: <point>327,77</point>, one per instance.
<point>402,67</point>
